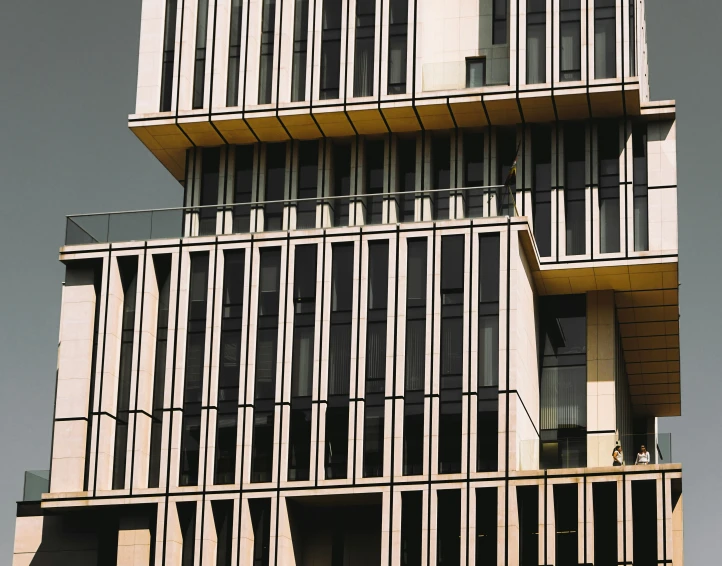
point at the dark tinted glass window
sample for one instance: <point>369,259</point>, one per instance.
<point>166,81</point>
<point>541,155</point>
<point>536,41</point>
<point>608,171</point>
<point>641,188</point>
<point>440,174</point>
<point>234,53</point>
<point>243,188</point>
<point>209,191</point>
<point>398,45</point>
<point>265,75</point>
<point>363,77</point>
<point>307,184</point>
<point>570,30</point>
<point>574,189</point>
<point>300,49</point>
<point>275,185</point>
<point>199,71</point>
<point>605,39</point>
<point>330,49</point>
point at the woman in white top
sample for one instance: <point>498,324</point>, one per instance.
<point>618,456</point>
<point>642,456</point>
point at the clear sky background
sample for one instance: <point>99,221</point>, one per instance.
<point>67,85</point>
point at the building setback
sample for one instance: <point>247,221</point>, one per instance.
<point>425,279</point>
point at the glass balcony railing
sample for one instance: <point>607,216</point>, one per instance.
<point>36,483</point>
<point>307,213</point>
<point>594,451</point>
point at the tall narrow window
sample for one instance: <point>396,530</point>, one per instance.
<point>162,277</point>
<point>448,531</point>
<point>339,360</point>
<point>452,334</point>
<point>506,150</point>
<point>411,527</point>
<point>641,188</point>
<point>500,31</point>
<point>209,191</point>
<point>536,41</point>
<point>632,39</point>
<point>574,189</point>
<point>563,384</point>
<point>302,364</point>
<point>266,349</point>
<point>300,50</point>
<point>363,75</point>
<point>541,155</point>
<point>475,72</point>
<point>307,184</point>
<point>166,80</point>
<point>374,157</point>
<point>128,267</point>
<point>486,525</point>
<point>527,500</point>
<point>195,355</point>
<point>608,152</point>
<point>377,303</point>
<point>275,186</point>
<point>187,521</point>
<point>265,74</point>
<point>415,366</point>
<point>440,175</point>
<point>473,172</point>
<point>604,496</point>
<point>341,165</point>
<point>644,522</point>
<point>261,523</point>
<point>570,30</point>
<point>330,50</point>
<point>566,522</point>
<point>234,53</point>
<point>398,45</point>
<point>230,367</point>
<point>242,188</point>
<point>199,69</point>
<point>223,520</point>
<point>488,365</point>
<point>605,39</point>
<point>406,177</point>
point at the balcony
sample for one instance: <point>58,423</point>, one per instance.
<point>290,214</point>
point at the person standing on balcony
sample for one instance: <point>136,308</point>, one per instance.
<point>642,456</point>
<point>618,456</point>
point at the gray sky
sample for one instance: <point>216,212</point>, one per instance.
<point>67,84</point>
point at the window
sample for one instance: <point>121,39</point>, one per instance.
<point>566,523</point>
<point>330,50</point>
<point>500,30</point>
<point>266,350</point>
<point>541,156</point>
<point>341,166</point>
<point>265,75</point>
<point>307,184</point>
<point>452,318</point>
<point>415,356</point>
<point>605,39</point>
<point>195,355</point>
<point>275,186</point>
<point>563,384</point>
<point>302,364</point>
<point>398,45</point>
<point>411,527</point>
<point>199,70</point>
<point>475,72</point>
<point>187,521</point>
<point>230,367</point>
<point>128,268</point>
<point>506,151</point>
<point>570,29</point>
<point>223,520</point>
<point>406,177</point>
<point>209,191</point>
<point>608,152</point>
<point>162,265</point>
<point>473,173</point>
<point>300,49</point>
<point>641,188</point>
<point>536,41</point>
<point>527,501</point>
<point>440,174</point>
<point>632,39</point>
<point>486,525</point>
<point>644,522</point>
<point>488,361</point>
<point>605,522</point>
<point>261,522</point>
<point>166,81</point>
<point>363,76</point>
<point>575,189</point>
<point>234,53</point>
<point>377,303</point>
<point>448,533</point>
<point>374,157</point>
<point>242,188</point>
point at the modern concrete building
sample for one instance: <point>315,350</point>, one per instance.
<point>424,279</point>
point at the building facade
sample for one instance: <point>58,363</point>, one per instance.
<point>423,282</point>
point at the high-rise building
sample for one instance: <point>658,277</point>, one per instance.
<point>424,282</point>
